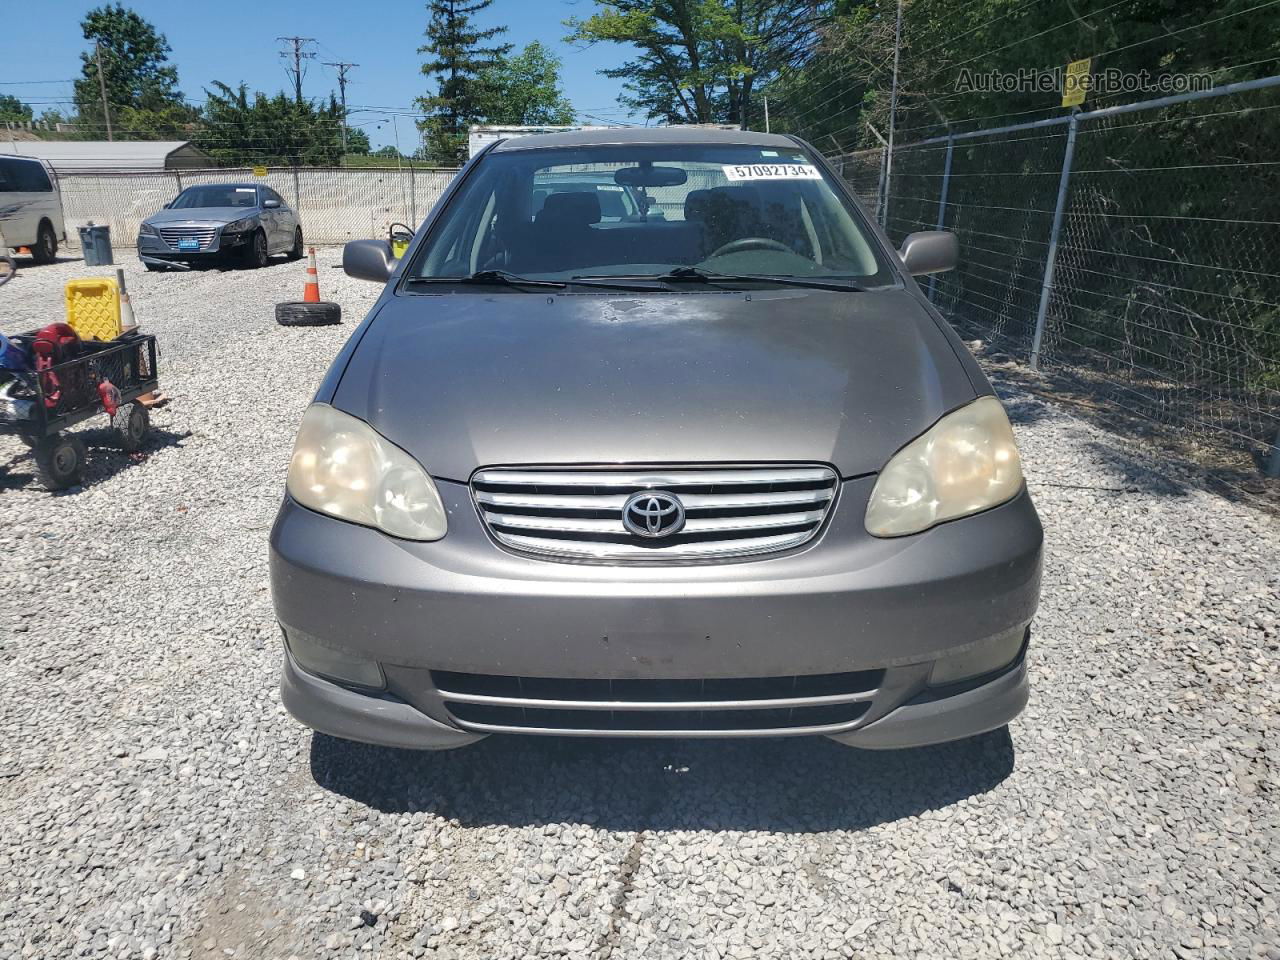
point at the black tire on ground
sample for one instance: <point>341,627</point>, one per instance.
<point>132,423</point>
<point>296,251</point>
<point>60,460</point>
<point>255,251</point>
<point>46,248</point>
<point>308,314</point>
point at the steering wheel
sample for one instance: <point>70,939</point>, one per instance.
<point>750,243</point>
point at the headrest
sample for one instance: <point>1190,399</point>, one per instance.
<point>695,204</point>
<point>739,195</point>
<point>564,208</point>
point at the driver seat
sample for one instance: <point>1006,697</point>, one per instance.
<point>728,214</point>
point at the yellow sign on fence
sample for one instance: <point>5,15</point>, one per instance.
<point>259,171</point>
<point>1075,82</point>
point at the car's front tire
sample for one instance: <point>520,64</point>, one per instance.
<point>255,251</point>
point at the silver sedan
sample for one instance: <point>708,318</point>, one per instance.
<point>246,222</point>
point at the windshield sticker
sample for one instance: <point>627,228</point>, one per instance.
<point>245,189</point>
<point>771,171</point>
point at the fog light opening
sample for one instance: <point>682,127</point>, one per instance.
<point>314,657</point>
<point>986,656</point>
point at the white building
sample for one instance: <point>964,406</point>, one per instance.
<point>89,156</point>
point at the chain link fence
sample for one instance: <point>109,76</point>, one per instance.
<point>1131,255</point>
<point>334,204</point>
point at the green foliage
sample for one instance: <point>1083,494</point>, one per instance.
<point>456,56</point>
<point>13,110</point>
<point>273,130</point>
<point>142,86</point>
<point>846,82</point>
<point>1170,226</point>
<point>357,141</point>
<point>524,89</point>
<point>700,60</point>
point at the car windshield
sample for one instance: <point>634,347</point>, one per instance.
<point>648,210</point>
<point>216,196</point>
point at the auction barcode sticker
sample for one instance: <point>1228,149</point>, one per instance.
<point>771,171</point>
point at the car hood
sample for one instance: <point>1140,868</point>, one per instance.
<point>202,215</point>
<point>466,380</point>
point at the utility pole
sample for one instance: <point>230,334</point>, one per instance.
<point>102,85</point>
<point>298,55</point>
<point>342,69</point>
<point>766,114</point>
<point>893,115</point>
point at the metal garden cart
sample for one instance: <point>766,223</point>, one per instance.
<point>104,377</point>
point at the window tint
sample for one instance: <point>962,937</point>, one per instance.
<point>23,176</point>
<point>648,209</point>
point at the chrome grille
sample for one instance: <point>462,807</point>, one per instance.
<point>764,706</point>
<point>171,235</point>
<point>576,514</point>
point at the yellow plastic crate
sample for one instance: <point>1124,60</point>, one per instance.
<point>93,308</point>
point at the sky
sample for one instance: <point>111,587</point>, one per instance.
<point>235,40</point>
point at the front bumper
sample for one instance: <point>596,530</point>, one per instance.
<point>219,246</point>
<point>846,602</point>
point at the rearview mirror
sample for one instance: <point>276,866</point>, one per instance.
<point>368,260</point>
<point>270,204</point>
<point>647,175</point>
<point>930,251</point>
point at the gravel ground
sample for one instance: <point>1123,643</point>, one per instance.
<point>156,801</point>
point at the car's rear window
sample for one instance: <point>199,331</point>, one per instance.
<point>645,210</point>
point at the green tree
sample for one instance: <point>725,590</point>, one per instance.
<point>357,142</point>
<point>52,117</point>
<point>524,89</point>
<point>273,130</point>
<point>13,110</point>
<point>457,54</point>
<point>700,60</point>
<point>142,86</point>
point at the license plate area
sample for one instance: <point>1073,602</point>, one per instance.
<point>188,243</point>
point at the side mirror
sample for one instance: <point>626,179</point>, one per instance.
<point>368,260</point>
<point>271,204</point>
<point>930,251</point>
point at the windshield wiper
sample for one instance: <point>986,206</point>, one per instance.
<point>490,277</point>
<point>707,276</point>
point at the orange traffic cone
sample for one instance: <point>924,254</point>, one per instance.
<point>311,292</point>
<point>311,311</point>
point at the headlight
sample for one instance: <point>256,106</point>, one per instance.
<point>342,467</point>
<point>147,230</point>
<point>964,463</point>
<point>238,226</point>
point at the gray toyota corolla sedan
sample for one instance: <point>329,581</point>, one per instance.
<point>712,467</point>
<point>245,222</point>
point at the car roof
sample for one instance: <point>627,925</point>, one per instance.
<point>235,186</point>
<point>625,136</point>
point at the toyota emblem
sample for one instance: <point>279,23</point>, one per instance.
<point>653,513</point>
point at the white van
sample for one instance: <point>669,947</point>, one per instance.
<point>31,207</point>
